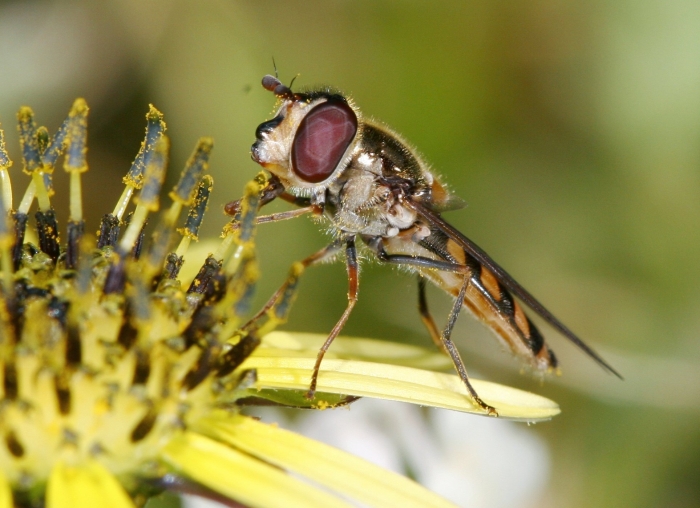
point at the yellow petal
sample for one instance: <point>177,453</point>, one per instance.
<point>240,476</point>
<point>339,471</point>
<point>392,382</point>
<point>5,492</point>
<point>85,486</point>
<point>354,348</point>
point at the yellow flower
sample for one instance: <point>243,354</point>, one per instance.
<point>119,381</point>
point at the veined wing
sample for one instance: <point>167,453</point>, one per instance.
<point>504,278</point>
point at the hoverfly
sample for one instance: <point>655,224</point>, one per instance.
<point>374,189</point>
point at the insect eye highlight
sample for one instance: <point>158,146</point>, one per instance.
<point>321,140</point>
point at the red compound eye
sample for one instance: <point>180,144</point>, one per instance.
<point>322,139</point>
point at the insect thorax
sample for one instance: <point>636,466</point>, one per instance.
<point>368,196</point>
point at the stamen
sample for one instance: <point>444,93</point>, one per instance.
<point>155,127</point>
<point>241,268</point>
<point>136,251</point>
<point>42,139</point>
<point>84,274</point>
<point>204,365</point>
<point>196,214</point>
<point>75,162</point>
<point>109,230</point>
<point>9,380</point>
<point>128,333</point>
<point>238,353</point>
<point>27,199</point>
<point>123,202</point>
<point>173,264</point>
<point>20,228</point>
<point>58,144</point>
<point>63,393</point>
<point>26,127</point>
<point>5,164</point>
<point>183,193</point>
<point>229,238</point>
<point>42,142</point>
<point>243,223</point>
<point>7,240</point>
<point>208,270</point>
<point>144,426</point>
<point>47,229</point>
<point>191,229</point>
<point>13,445</point>
<point>42,191</point>
<point>229,289</point>
<point>147,201</point>
<point>75,233</point>
<point>31,157</point>
<point>109,227</point>
<point>34,143</point>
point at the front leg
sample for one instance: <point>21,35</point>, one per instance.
<point>353,285</point>
<point>273,190</point>
<point>277,307</point>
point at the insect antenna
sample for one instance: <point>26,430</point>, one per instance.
<point>291,83</point>
<point>274,64</point>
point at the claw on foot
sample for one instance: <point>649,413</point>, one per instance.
<point>489,409</point>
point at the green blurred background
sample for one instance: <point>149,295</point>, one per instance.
<point>571,129</point>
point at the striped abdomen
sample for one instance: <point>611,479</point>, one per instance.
<point>486,297</point>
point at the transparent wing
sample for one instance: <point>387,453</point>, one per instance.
<point>507,280</point>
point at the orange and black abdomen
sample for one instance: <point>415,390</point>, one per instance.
<point>491,302</point>
<point>510,310</point>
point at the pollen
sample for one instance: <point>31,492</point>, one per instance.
<point>121,379</point>
<point>105,355</point>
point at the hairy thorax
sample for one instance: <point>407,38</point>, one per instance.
<point>364,203</point>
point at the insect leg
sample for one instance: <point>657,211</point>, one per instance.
<point>273,190</point>
<point>289,214</point>
<point>277,307</point>
<point>353,284</point>
<point>375,243</point>
<point>443,341</point>
<point>434,219</point>
<point>454,354</point>
<point>427,317</point>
